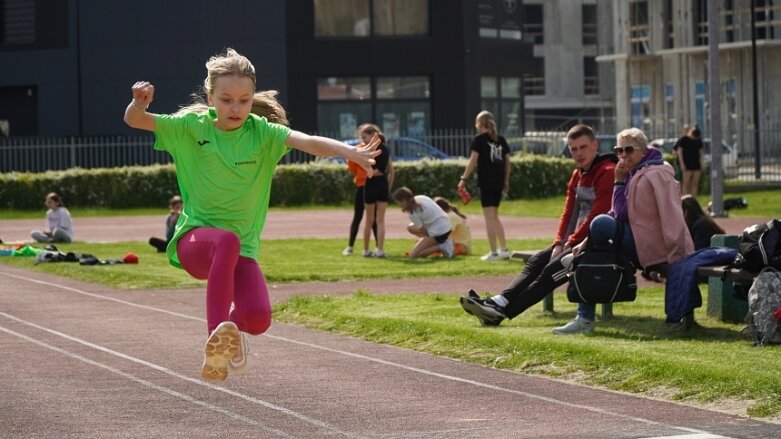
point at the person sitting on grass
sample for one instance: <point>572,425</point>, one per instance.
<point>175,209</point>
<point>589,191</point>
<point>58,221</point>
<point>429,222</point>
<point>462,236</point>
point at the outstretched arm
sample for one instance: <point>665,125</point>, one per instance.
<point>323,146</point>
<point>135,113</point>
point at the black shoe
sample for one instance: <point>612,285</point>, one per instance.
<point>486,310</point>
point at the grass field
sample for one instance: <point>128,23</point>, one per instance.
<point>284,260</point>
<point>760,204</point>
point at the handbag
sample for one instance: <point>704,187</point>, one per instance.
<point>602,275</point>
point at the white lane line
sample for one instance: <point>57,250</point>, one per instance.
<point>170,372</point>
<point>690,436</point>
<point>146,383</point>
<point>384,362</point>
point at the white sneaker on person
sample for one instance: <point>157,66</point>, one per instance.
<point>578,325</point>
<point>503,253</point>
<point>238,362</point>
<point>368,254</point>
<point>490,256</point>
<point>222,344</point>
<point>379,253</point>
<point>347,251</point>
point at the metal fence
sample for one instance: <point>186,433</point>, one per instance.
<point>38,154</point>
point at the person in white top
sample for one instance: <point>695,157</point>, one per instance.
<point>429,222</point>
<point>58,222</point>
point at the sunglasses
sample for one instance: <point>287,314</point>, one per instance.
<point>629,149</point>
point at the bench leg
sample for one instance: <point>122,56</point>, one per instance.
<point>607,311</point>
<point>547,303</point>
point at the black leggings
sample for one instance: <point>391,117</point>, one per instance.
<point>358,217</point>
<point>540,276</point>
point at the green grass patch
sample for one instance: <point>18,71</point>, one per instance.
<point>760,204</point>
<point>635,352</point>
<point>283,260</point>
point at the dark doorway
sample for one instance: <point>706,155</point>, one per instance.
<point>19,111</point>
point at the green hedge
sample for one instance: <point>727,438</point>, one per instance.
<point>320,183</point>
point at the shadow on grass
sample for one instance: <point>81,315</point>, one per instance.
<point>653,328</point>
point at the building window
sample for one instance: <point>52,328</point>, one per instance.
<point>701,23</point>
<point>669,105</point>
<point>398,105</point>
<point>639,28</point>
<point>667,18</point>
<point>764,15</point>
<point>731,87</point>
<point>17,22</point>
<point>364,18</point>
<point>590,76</point>
<point>534,82</point>
<point>532,23</point>
<point>640,100</point>
<point>589,20</point>
<point>699,103</point>
<point>504,98</point>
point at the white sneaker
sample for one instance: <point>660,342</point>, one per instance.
<point>576,326</point>
<point>490,256</point>
<point>368,254</point>
<point>504,254</point>
<point>222,344</point>
<point>238,362</point>
<point>379,253</point>
<point>347,251</point>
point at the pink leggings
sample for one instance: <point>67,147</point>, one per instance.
<point>213,254</point>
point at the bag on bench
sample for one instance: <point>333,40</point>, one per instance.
<point>764,299</point>
<point>759,247</point>
<point>602,275</point>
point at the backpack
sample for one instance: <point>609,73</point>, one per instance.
<point>764,300</point>
<point>760,246</point>
<point>602,275</point>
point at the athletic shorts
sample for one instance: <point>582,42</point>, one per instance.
<point>490,198</point>
<point>442,238</point>
<point>376,189</point>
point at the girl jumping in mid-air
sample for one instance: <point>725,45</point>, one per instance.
<point>225,154</point>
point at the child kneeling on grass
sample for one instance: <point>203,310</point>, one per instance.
<point>429,222</point>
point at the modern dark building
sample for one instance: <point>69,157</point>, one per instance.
<point>408,65</point>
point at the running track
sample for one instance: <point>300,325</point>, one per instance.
<point>82,360</point>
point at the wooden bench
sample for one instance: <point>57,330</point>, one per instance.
<point>721,304</point>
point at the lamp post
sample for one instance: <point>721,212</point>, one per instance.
<point>755,90</point>
<point>714,97</point>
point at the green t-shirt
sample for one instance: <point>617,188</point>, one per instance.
<point>224,176</point>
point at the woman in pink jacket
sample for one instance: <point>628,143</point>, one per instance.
<point>646,201</point>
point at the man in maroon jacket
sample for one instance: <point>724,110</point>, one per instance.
<point>589,193</point>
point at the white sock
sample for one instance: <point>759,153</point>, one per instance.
<point>500,300</point>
